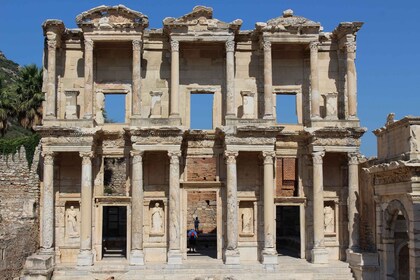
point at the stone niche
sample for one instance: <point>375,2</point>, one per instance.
<point>157,218</point>
<point>115,177</point>
<point>72,222</point>
<point>246,219</point>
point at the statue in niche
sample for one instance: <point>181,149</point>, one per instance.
<point>72,222</point>
<point>157,218</point>
<point>247,220</point>
<point>329,226</point>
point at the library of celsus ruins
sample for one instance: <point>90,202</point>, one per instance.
<point>128,192</point>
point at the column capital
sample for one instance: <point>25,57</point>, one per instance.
<point>52,44</point>
<point>48,157</point>
<point>268,156</point>
<point>230,45</point>
<point>350,47</point>
<point>86,157</point>
<point>353,158</point>
<point>174,45</point>
<point>313,46</point>
<point>317,157</point>
<point>136,45</point>
<point>89,44</point>
<point>136,153</point>
<point>266,45</point>
<point>174,156</point>
<point>231,156</point>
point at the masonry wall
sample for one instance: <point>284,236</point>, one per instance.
<point>19,208</point>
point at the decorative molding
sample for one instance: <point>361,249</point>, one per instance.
<point>52,45</point>
<point>313,46</point>
<point>89,44</point>
<point>353,158</point>
<point>174,46</point>
<point>268,157</point>
<point>350,47</point>
<point>230,157</point>
<point>136,45</point>
<point>317,157</point>
<point>230,45</point>
<point>174,156</point>
<point>266,45</point>
<point>48,157</point>
<point>86,157</point>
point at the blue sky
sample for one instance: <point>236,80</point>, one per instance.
<point>388,56</point>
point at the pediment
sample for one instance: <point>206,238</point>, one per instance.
<point>111,17</point>
<point>288,22</point>
<point>200,19</point>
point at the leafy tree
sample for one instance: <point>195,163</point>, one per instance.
<point>7,104</point>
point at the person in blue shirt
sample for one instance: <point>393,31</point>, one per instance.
<point>192,240</point>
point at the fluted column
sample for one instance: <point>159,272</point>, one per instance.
<point>85,257</point>
<point>268,81</point>
<point>137,197</point>
<point>319,253</point>
<point>269,254</point>
<point>230,79</point>
<point>351,79</point>
<point>47,240</point>
<point>174,104</point>
<point>315,96</point>
<point>136,93</point>
<point>352,201</point>
<point>174,253</point>
<point>51,88</point>
<point>232,252</point>
<point>88,93</point>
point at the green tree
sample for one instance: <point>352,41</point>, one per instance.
<point>7,104</point>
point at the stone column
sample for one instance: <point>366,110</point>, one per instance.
<point>269,254</point>
<point>47,239</point>
<point>232,252</point>
<point>352,202</point>
<point>315,96</point>
<point>136,93</point>
<point>137,198</point>
<point>319,253</point>
<point>88,94</point>
<point>174,253</point>
<point>230,79</point>
<point>351,79</point>
<point>268,81</point>
<point>51,93</point>
<point>85,257</point>
<point>174,104</point>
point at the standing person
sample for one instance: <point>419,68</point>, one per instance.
<point>192,240</point>
<point>196,223</point>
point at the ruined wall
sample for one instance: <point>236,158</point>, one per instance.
<point>202,204</point>
<point>19,207</point>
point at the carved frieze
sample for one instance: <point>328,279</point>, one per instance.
<point>393,176</point>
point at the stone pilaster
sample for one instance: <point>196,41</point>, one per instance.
<point>85,257</point>
<point>137,197</point>
<point>319,253</point>
<point>174,253</point>
<point>268,81</point>
<point>47,238</point>
<point>269,254</point>
<point>352,202</point>
<point>174,101</point>
<point>230,79</point>
<point>315,95</point>
<point>51,111</point>
<point>136,92</point>
<point>351,80</point>
<point>232,252</point>
<point>88,94</point>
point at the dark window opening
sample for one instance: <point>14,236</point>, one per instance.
<point>288,230</point>
<point>114,231</point>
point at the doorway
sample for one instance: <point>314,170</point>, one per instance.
<point>114,231</point>
<point>288,231</point>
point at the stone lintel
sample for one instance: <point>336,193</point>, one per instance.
<point>154,123</point>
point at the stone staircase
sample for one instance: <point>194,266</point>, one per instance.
<point>288,268</point>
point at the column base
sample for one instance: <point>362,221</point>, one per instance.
<point>174,257</point>
<point>136,257</point>
<point>319,255</point>
<point>38,267</point>
<point>269,256</point>
<point>85,258</point>
<point>232,257</point>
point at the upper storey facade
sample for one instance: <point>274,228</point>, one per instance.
<point>113,52</point>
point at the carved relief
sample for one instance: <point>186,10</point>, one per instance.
<point>174,46</point>
<point>230,46</point>
<point>72,222</point>
<point>156,104</point>
<point>157,219</point>
<point>329,220</point>
<point>247,221</point>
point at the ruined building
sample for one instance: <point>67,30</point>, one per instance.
<point>258,184</point>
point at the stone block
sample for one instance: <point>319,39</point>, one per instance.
<point>85,258</point>
<point>137,257</point>
<point>319,256</point>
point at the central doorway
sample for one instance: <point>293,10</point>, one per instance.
<point>114,231</point>
<point>288,231</point>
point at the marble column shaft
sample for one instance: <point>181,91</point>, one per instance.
<point>318,200</point>
<point>51,88</point>
<point>352,202</point>
<point>174,100</point>
<point>136,93</point>
<point>268,81</point>
<point>315,95</point>
<point>232,201</point>
<point>174,202</point>
<point>88,91</point>
<point>230,78</point>
<point>269,202</point>
<point>86,203</point>
<point>351,79</point>
<point>47,240</point>
<point>137,197</point>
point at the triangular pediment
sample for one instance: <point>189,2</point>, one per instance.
<point>111,17</point>
<point>288,22</point>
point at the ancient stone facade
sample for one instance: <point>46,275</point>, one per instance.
<point>251,162</point>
